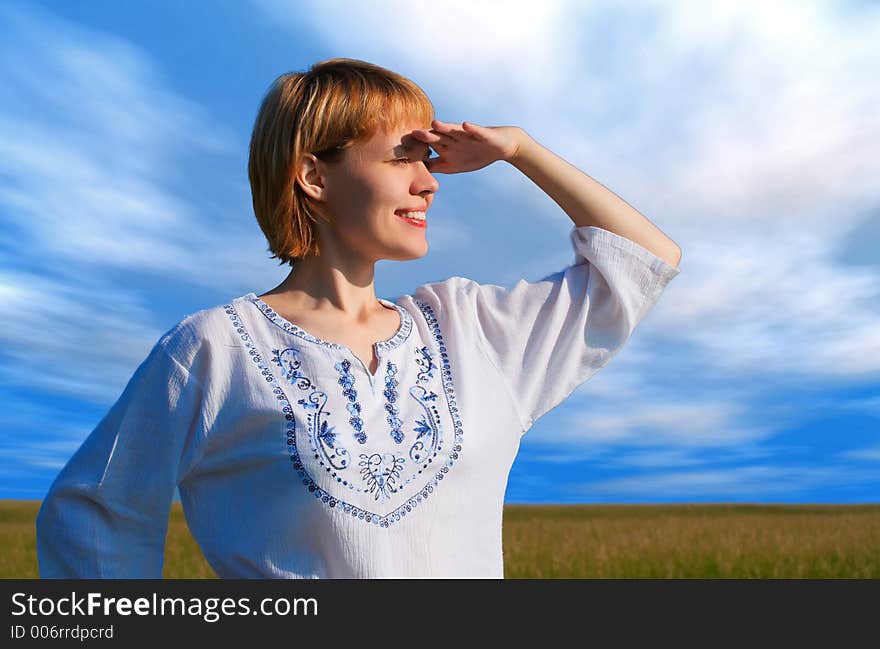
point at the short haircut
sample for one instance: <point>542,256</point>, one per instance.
<point>337,103</point>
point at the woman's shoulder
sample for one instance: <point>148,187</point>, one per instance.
<point>456,293</point>
<point>197,331</point>
<point>441,291</point>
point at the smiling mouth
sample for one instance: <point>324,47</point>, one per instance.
<point>414,221</point>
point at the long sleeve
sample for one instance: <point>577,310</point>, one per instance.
<point>548,337</point>
<point>106,513</point>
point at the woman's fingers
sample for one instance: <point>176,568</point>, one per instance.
<point>427,136</point>
<point>448,133</point>
<point>448,129</point>
<point>474,130</point>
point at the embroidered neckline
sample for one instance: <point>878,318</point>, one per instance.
<point>332,501</point>
<point>398,338</point>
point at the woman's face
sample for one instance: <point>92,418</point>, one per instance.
<point>367,190</point>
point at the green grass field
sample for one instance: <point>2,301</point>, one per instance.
<point>600,541</point>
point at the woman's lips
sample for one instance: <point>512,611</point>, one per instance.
<point>416,223</point>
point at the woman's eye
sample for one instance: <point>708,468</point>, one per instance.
<point>407,160</point>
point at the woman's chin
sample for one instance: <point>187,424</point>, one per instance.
<point>409,254</point>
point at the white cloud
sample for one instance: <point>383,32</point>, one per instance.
<point>681,424</point>
<point>64,339</point>
<point>869,453</point>
<point>755,482</point>
<point>870,405</point>
<point>661,458</point>
<point>89,137</point>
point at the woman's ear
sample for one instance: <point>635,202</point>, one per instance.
<point>310,176</point>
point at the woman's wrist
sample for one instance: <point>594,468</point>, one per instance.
<point>524,143</point>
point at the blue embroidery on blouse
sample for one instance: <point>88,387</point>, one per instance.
<point>390,403</point>
<point>291,371</point>
<point>426,362</point>
<point>428,427</point>
<point>382,474</point>
<point>321,434</point>
<point>383,346</point>
<point>346,380</point>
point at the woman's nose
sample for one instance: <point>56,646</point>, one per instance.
<point>426,180</point>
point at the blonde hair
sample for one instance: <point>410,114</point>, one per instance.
<point>337,103</point>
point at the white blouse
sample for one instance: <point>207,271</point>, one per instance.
<point>294,461</point>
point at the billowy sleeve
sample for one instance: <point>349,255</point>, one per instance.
<point>548,337</point>
<point>106,513</point>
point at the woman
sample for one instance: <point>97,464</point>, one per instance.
<point>319,431</point>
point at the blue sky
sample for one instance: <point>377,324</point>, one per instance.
<point>748,133</point>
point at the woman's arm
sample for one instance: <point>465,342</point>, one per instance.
<point>468,147</point>
<point>106,513</point>
<point>586,201</point>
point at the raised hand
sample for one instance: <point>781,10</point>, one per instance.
<point>468,146</point>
